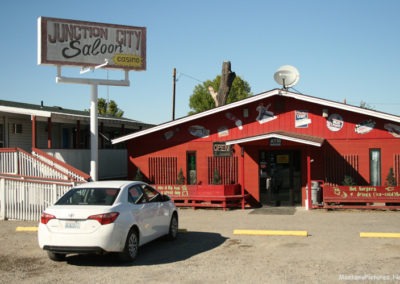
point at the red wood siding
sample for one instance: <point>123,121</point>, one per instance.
<point>251,176</point>
<point>396,168</point>
<point>227,168</point>
<point>163,170</point>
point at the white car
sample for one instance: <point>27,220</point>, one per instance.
<point>106,216</point>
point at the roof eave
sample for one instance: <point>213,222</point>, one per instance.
<point>195,116</point>
<point>275,135</point>
<point>17,110</point>
<point>343,106</point>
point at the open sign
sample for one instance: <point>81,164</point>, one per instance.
<point>220,149</point>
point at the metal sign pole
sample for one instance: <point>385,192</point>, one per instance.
<point>94,137</point>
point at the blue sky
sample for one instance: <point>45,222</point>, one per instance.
<point>343,49</point>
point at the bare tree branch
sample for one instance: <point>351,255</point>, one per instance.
<point>225,85</point>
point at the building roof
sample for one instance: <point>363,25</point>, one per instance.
<point>60,113</point>
<point>255,98</point>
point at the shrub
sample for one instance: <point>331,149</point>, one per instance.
<point>348,180</point>
<point>391,179</point>
<point>181,178</point>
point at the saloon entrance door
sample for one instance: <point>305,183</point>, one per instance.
<point>280,177</point>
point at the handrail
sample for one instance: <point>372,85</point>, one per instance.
<point>16,161</point>
<point>72,172</point>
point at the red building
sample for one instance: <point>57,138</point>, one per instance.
<point>272,145</point>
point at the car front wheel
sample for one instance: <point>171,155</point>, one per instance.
<point>131,246</point>
<point>173,227</point>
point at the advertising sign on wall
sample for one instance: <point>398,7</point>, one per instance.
<point>301,119</point>
<point>335,122</point>
<point>78,43</point>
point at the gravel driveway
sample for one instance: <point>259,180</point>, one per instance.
<point>207,251</point>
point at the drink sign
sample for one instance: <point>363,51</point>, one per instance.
<point>79,43</point>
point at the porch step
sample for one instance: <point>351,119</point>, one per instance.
<point>250,200</point>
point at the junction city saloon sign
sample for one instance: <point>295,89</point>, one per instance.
<point>79,43</point>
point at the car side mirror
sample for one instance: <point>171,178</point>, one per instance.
<point>165,198</point>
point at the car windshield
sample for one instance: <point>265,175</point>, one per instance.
<point>89,196</point>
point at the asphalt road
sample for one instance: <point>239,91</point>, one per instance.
<point>208,251</point>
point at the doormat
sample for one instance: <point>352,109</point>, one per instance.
<point>274,211</point>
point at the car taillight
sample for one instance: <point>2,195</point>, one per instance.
<point>106,218</point>
<point>45,218</point>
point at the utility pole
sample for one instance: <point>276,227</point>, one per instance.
<point>173,93</point>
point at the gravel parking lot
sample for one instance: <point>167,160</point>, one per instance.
<point>207,251</point>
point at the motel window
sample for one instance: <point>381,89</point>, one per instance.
<point>191,168</point>
<point>375,166</point>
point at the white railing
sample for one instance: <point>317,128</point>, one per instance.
<point>15,161</point>
<point>9,162</point>
<point>18,162</point>
<point>28,184</point>
<point>70,172</point>
<point>58,167</point>
<point>33,167</point>
<point>23,199</point>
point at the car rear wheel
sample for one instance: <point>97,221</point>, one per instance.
<point>131,246</point>
<point>173,227</point>
<point>56,256</point>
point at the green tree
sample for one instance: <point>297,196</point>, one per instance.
<point>390,178</point>
<point>365,105</point>
<point>110,108</point>
<point>202,100</point>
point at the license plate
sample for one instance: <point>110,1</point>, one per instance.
<point>72,225</point>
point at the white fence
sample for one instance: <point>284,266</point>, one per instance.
<point>23,199</point>
<point>30,183</point>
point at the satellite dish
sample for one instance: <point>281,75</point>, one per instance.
<point>287,76</point>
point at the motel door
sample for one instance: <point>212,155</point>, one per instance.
<point>280,178</point>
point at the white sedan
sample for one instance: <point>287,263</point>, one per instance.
<point>106,216</point>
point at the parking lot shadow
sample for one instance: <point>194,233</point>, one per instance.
<point>161,251</point>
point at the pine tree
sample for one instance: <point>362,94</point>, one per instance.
<point>216,177</point>
<point>348,180</point>
<point>139,175</point>
<point>181,178</point>
<point>391,179</point>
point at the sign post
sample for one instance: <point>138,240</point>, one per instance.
<point>91,45</point>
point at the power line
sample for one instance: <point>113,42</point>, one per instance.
<point>188,76</point>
